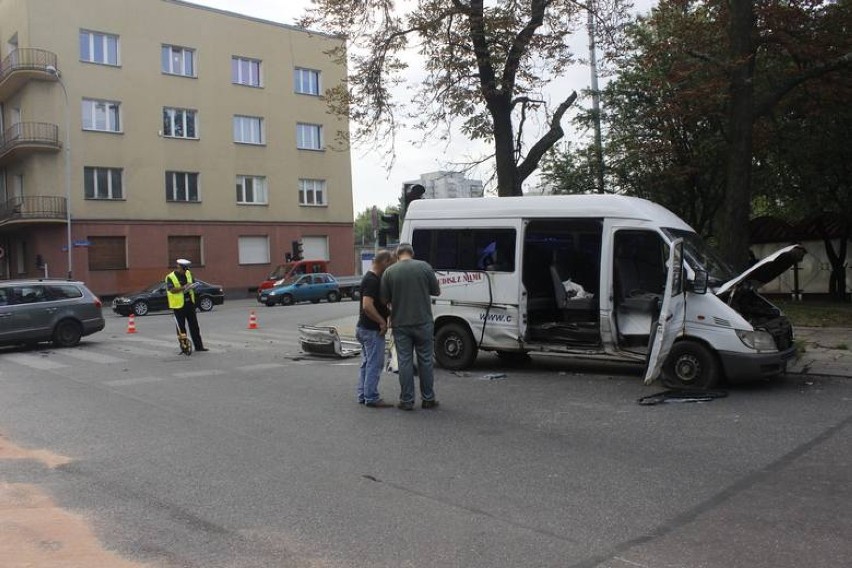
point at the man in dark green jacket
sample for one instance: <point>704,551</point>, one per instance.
<point>409,286</point>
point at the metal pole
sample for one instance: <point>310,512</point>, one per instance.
<point>55,72</point>
<point>596,101</point>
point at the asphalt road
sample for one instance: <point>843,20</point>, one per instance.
<point>254,456</point>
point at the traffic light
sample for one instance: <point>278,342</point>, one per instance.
<point>411,192</point>
<point>298,250</point>
<point>389,228</point>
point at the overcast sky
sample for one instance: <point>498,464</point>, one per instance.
<point>372,182</point>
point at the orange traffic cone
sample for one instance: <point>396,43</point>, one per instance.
<point>131,324</point>
<point>252,321</point>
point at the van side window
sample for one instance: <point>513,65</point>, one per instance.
<point>4,297</point>
<point>466,249</point>
<point>639,263</point>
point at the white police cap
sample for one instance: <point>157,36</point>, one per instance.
<point>184,262</point>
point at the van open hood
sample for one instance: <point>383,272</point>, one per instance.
<point>767,269</point>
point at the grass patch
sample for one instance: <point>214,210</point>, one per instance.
<point>817,314</point>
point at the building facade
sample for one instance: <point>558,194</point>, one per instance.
<point>442,185</point>
<point>169,130</point>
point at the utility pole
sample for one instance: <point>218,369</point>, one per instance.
<point>596,100</point>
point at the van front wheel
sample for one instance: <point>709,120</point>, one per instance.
<point>455,348</point>
<point>691,365</point>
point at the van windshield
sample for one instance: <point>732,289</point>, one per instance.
<point>700,256</point>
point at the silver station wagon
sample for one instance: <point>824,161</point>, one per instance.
<point>61,311</point>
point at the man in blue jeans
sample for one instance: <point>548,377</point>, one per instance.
<point>408,286</point>
<point>370,332</point>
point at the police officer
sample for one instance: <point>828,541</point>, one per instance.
<point>182,301</point>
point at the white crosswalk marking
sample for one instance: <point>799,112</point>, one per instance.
<point>37,362</point>
<point>133,350</point>
<point>207,373</point>
<point>151,341</point>
<point>133,381</point>
<point>261,367</point>
<point>92,356</point>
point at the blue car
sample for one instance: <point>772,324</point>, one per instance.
<point>304,288</point>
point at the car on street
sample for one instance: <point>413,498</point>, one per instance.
<point>154,298</point>
<point>304,288</point>
<point>61,311</point>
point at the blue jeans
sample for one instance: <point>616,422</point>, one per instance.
<point>372,361</point>
<point>411,339</point>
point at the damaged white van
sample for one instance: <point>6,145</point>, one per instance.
<point>597,277</point>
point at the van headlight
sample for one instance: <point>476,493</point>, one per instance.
<point>759,340</point>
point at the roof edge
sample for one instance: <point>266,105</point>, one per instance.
<point>222,12</point>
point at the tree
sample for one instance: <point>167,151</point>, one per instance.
<point>809,166</point>
<point>693,112</point>
<point>363,227</point>
<point>664,119</point>
<point>486,67</point>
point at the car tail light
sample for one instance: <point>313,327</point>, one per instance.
<point>98,302</point>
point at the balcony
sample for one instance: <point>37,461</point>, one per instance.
<point>22,139</point>
<point>23,65</point>
<point>32,210</point>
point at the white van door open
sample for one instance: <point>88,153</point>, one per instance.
<point>672,314</point>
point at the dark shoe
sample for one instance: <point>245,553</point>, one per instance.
<point>377,404</point>
<point>361,401</point>
<point>430,404</point>
<point>202,349</point>
<point>405,406</point>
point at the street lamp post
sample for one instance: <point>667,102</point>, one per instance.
<point>67,144</point>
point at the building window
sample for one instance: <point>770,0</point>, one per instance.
<point>248,130</point>
<point>103,183</point>
<point>312,192</point>
<point>184,246</point>
<point>254,250</point>
<point>182,186</point>
<point>107,253</point>
<point>97,47</point>
<point>245,71</point>
<point>179,123</point>
<point>309,136</point>
<point>178,60</point>
<point>252,190</point>
<point>307,81</point>
<point>101,115</point>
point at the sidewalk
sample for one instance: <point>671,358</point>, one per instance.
<point>827,351</point>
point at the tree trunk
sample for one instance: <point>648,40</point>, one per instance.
<point>733,237</point>
<point>508,180</point>
<point>837,261</point>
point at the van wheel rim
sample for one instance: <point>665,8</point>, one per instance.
<point>688,368</point>
<point>453,347</point>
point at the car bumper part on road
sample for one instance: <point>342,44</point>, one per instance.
<point>742,367</point>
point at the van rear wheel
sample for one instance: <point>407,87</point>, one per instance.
<point>455,348</point>
<point>691,365</point>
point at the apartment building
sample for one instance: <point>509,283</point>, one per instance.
<point>442,185</point>
<point>140,131</point>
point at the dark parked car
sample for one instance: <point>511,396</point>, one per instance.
<point>153,298</point>
<point>60,311</point>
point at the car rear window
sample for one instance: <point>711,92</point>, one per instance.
<point>63,291</point>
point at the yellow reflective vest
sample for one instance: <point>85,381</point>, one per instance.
<point>175,295</point>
